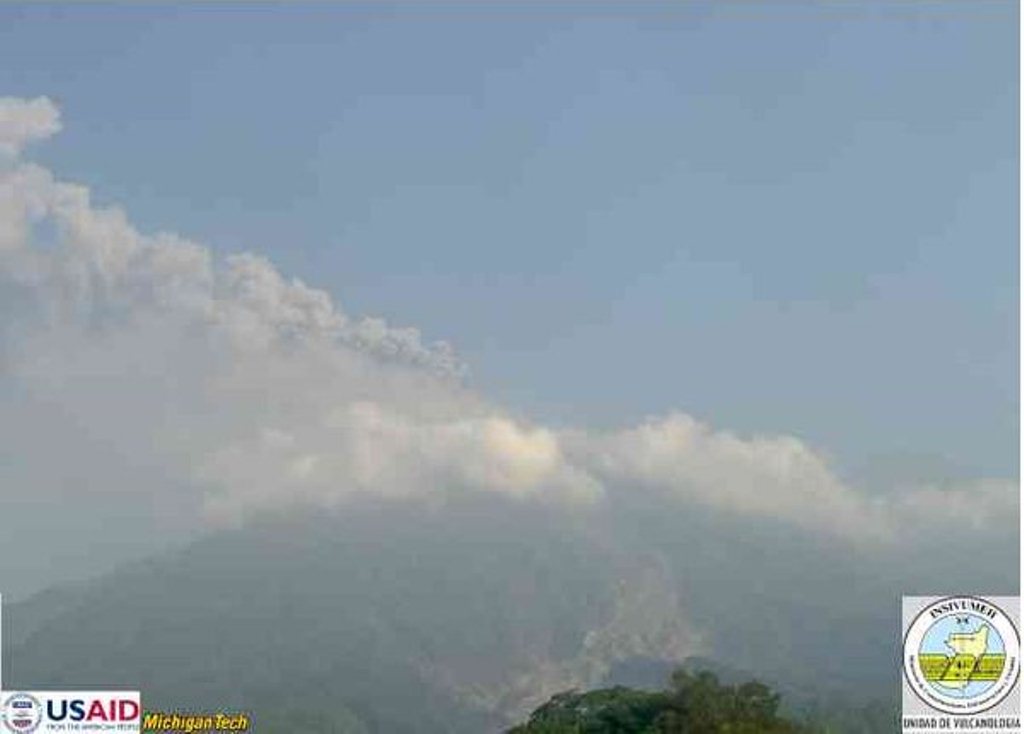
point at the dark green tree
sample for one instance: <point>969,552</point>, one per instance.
<point>693,704</point>
<point>605,711</point>
<point>700,704</point>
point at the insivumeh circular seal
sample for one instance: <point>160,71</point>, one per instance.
<point>961,655</point>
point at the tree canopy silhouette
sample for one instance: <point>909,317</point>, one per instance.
<point>693,703</point>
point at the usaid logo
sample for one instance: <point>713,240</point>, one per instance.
<point>110,708</point>
<point>71,711</point>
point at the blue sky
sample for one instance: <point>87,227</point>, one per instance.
<point>778,217</point>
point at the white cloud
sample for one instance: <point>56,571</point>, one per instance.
<point>973,507</point>
<point>367,448</point>
<point>257,391</point>
<point>776,477</point>
<point>25,120</point>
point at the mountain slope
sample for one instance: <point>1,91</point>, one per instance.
<point>463,614</point>
<point>413,619</point>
